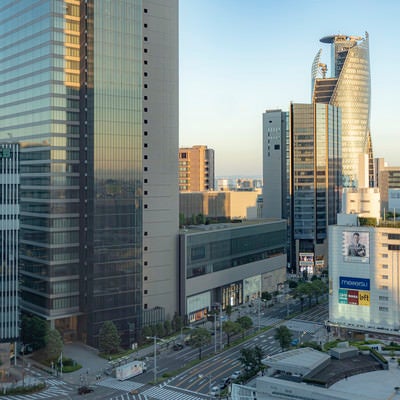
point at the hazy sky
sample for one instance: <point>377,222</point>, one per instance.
<point>241,57</point>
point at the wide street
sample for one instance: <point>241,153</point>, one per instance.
<point>194,383</point>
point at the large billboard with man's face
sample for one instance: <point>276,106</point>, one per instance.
<point>355,246</point>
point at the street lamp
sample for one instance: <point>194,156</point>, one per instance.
<point>155,356</point>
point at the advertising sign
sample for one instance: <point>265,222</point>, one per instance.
<point>354,283</point>
<point>354,291</point>
<point>355,246</point>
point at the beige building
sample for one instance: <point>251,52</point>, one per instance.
<point>196,169</point>
<point>233,205</point>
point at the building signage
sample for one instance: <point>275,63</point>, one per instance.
<point>354,283</point>
<point>355,247</point>
<point>354,291</point>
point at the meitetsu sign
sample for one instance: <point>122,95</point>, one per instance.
<point>354,291</point>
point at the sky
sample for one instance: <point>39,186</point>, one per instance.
<point>239,58</point>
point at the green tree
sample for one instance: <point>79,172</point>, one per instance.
<point>167,327</point>
<point>318,288</point>
<point>54,344</point>
<point>245,322</point>
<point>159,331</point>
<point>266,296</point>
<point>146,332</point>
<point>34,331</point>
<point>284,336</point>
<point>304,289</point>
<point>177,322</point>
<point>251,358</point>
<point>231,328</point>
<point>109,339</point>
<point>199,338</point>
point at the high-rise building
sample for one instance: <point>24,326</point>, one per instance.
<point>349,88</point>
<point>9,232</point>
<point>196,169</point>
<point>90,91</point>
<point>302,177</point>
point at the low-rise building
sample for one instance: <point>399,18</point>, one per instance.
<point>229,264</point>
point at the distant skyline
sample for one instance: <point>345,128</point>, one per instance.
<point>238,59</point>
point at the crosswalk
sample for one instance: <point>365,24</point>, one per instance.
<point>55,389</point>
<point>303,326</point>
<point>163,393</point>
<point>125,386</point>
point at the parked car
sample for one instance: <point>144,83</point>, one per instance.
<point>224,383</point>
<point>177,346</point>
<point>236,375</point>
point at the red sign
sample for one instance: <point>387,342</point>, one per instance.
<point>352,297</point>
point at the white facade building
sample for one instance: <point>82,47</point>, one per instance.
<point>364,277</point>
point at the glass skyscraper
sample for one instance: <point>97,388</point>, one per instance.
<point>89,90</point>
<point>349,88</point>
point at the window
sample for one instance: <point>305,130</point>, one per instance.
<point>146,121</point>
<point>145,109</point>
<point>145,180</point>
<point>385,266</point>
<point>385,276</point>
<point>145,133</point>
<point>145,263</point>
<point>146,74</point>
<point>145,145</point>
<point>145,233</point>
<point>145,306</point>
<point>145,278</point>
<point>145,193</point>
<point>144,50</point>
<point>145,39</point>
<point>145,10</point>
<point>145,25</point>
<point>145,291</point>
<point>385,309</point>
<point>145,206</point>
<point>277,147</point>
<point>384,256</point>
<point>145,98</point>
<point>145,169</point>
<point>145,85</point>
<point>145,248</point>
<point>145,156</point>
<point>145,62</point>
<point>383,298</point>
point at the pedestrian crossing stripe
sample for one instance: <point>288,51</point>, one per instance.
<point>163,393</point>
<point>125,386</point>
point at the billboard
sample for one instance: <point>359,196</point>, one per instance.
<point>355,247</point>
<point>354,291</point>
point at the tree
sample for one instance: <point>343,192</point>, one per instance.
<point>284,336</point>
<point>159,331</point>
<point>266,296</point>
<point>231,328</point>
<point>318,288</point>
<point>251,358</point>
<point>146,332</point>
<point>167,327</point>
<point>199,338</point>
<point>34,331</point>
<point>245,322</point>
<point>109,339</point>
<point>177,322</point>
<point>54,344</point>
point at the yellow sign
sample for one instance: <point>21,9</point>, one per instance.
<point>363,298</point>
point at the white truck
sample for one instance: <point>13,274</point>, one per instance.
<point>130,369</point>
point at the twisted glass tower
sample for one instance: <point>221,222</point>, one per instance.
<point>349,88</point>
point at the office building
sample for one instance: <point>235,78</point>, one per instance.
<point>229,264</point>
<point>349,88</point>
<point>302,177</point>
<point>9,231</point>
<point>388,181</point>
<point>196,169</point>
<point>90,91</point>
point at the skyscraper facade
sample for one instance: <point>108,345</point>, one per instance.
<point>349,88</point>
<point>9,234</point>
<point>90,91</point>
<point>302,177</point>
